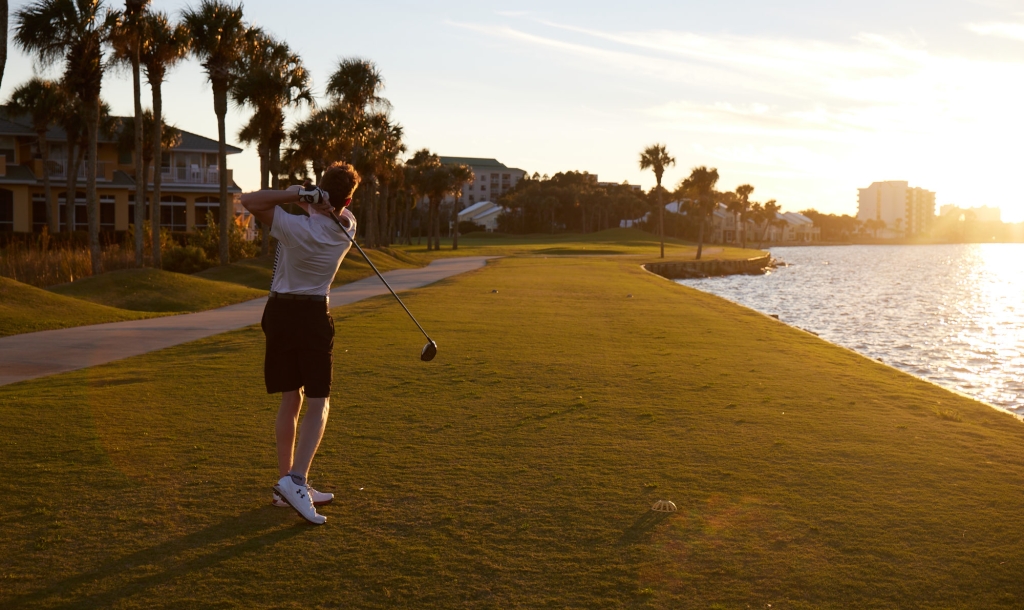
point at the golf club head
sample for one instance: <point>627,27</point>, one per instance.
<point>429,351</point>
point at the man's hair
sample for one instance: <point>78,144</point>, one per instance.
<point>340,181</point>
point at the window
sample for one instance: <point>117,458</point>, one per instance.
<point>107,212</point>
<point>131,210</point>
<point>483,187</point>
<point>172,213</point>
<point>81,214</point>
<point>124,157</point>
<point>206,207</point>
<point>505,176</point>
<point>6,210</point>
<point>38,212</point>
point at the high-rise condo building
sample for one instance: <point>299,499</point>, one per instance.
<point>905,210</point>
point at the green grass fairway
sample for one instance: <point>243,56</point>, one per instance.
<point>516,470</point>
<point>611,241</point>
<point>26,309</point>
<point>156,290</point>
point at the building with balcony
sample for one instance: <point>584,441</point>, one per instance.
<point>491,179</point>
<point>906,211</point>
<point>190,181</point>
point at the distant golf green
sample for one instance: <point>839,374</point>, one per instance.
<point>517,469</point>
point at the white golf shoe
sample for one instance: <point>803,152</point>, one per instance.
<point>298,498</point>
<point>319,498</point>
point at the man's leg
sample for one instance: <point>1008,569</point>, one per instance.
<point>311,432</point>
<point>287,421</point>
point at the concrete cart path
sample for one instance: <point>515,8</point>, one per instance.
<point>38,354</point>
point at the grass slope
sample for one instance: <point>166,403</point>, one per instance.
<point>258,272</point>
<point>26,309</point>
<point>156,290</point>
<point>516,470</point>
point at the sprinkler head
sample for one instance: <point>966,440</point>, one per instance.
<point>429,351</point>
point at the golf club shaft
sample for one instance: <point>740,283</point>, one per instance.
<point>334,215</point>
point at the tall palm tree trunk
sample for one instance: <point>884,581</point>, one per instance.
<point>455,229</point>
<point>700,238</point>
<point>264,185</point>
<point>372,198</point>
<point>385,200</point>
<point>275,183</point>
<point>158,153</point>
<point>140,176</point>
<point>220,106</point>
<point>52,211</point>
<point>71,197</point>
<point>407,219</point>
<point>661,222</point>
<point>92,117</point>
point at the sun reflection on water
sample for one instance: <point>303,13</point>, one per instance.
<point>951,314</point>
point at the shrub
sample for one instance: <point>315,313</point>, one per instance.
<point>468,226</point>
<point>186,259</point>
<point>208,239</point>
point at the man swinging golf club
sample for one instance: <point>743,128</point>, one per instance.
<point>297,322</point>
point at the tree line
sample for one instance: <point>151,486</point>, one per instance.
<point>245,65</point>
<point>576,202</point>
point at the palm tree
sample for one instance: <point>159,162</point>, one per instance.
<point>741,208</point>
<point>376,156</point>
<point>357,83</point>
<point>656,158</point>
<point>126,38</point>
<point>270,78</point>
<point>73,32</point>
<point>163,45</point>
<point>769,216</point>
<point>217,35</point>
<point>73,124</point>
<point>700,186</point>
<point>460,175</point>
<point>417,172</point>
<point>3,38</point>
<point>171,137</point>
<point>44,101</point>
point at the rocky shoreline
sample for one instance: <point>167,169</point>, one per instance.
<point>681,270</point>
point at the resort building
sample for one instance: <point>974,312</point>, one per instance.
<point>905,210</point>
<point>190,180</point>
<point>483,213</point>
<point>979,214</point>
<point>491,179</point>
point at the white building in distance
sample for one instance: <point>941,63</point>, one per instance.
<point>979,214</point>
<point>905,210</point>
<point>491,179</point>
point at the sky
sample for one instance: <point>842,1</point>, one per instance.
<point>805,100</point>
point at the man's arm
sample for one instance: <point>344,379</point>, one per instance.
<point>262,203</point>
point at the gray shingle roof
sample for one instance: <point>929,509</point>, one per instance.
<point>18,173</point>
<point>21,125</point>
<point>474,162</point>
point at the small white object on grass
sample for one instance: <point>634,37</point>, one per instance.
<point>664,506</point>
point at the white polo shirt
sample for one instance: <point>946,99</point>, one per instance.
<point>309,251</point>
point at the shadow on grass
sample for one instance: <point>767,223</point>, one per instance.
<point>642,527</point>
<point>234,537</point>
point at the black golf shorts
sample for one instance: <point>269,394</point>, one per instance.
<point>300,347</point>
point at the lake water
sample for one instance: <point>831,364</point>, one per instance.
<point>951,314</point>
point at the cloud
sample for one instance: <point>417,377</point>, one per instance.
<point>1013,31</point>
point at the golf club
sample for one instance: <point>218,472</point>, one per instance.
<point>430,349</point>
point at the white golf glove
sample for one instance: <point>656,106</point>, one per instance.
<point>312,195</point>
